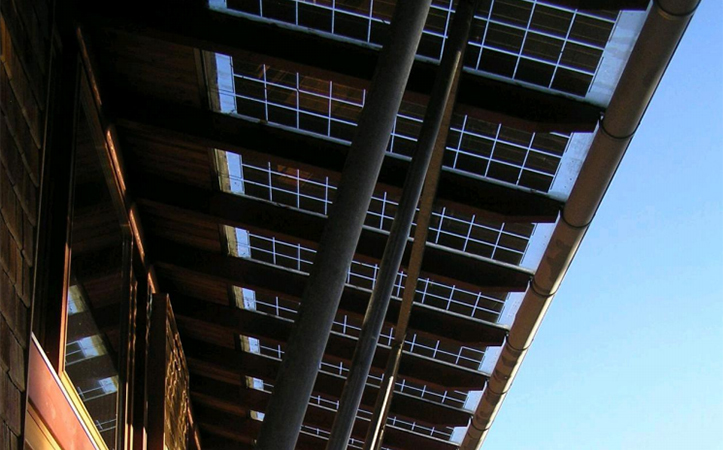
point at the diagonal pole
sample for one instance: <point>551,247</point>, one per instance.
<point>439,114</point>
<point>320,300</point>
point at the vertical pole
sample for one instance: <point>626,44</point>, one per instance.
<point>399,235</point>
<point>432,141</point>
<point>295,381</point>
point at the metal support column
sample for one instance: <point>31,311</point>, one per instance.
<point>432,142</point>
<point>320,300</point>
<point>439,103</point>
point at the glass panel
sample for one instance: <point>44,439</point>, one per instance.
<point>505,34</point>
<point>96,289</point>
<point>330,109</point>
<point>294,187</point>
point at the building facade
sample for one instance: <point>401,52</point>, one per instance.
<point>168,171</point>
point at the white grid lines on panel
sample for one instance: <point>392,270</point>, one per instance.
<point>370,25</point>
<point>334,110</point>
<point>295,188</point>
<point>272,250</point>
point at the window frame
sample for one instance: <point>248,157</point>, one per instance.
<point>73,98</point>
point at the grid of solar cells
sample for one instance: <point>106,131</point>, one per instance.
<point>428,292</point>
<point>332,110</point>
<point>542,44</point>
<point>443,433</point>
<point>395,421</point>
<point>450,398</point>
<point>529,41</point>
<point>526,40</point>
<point>275,251</point>
<point>505,242</point>
<point>295,256</point>
<point>461,355</point>
<point>476,305</point>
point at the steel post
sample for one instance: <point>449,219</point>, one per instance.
<point>293,387</point>
<point>438,105</point>
<point>454,49</point>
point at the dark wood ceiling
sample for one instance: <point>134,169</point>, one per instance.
<point>150,73</point>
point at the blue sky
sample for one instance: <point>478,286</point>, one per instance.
<point>630,355</point>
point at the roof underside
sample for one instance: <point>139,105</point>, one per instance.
<point>233,147</point>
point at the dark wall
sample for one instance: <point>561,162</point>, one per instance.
<point>24,47</point>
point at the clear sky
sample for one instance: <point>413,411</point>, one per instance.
<point>630,355</point>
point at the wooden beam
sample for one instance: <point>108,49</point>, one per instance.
<point>609,5</point>
<point>264,277</point>
<point>259,142</point>
<point>440,264</point>
<point>426,320</point>
<point>231,366</point>
<point>413,367</point>
<point>274,280</point>
<point>213,441</point>
<point>239,429</point>
<point>258,324</point>
<point>238,433</point>
<point>217,419</point>
<point>240,400</point>
<point>329,57</point>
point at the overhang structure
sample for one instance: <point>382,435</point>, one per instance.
<point>233,121</point>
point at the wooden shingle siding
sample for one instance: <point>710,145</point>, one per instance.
<point>24,48</point>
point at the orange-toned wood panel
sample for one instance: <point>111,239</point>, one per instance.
<point>48,398</point>
<point>181,226</point>
<point>150,155</point>
<point>146,66</point>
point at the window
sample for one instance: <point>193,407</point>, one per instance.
<point>98,291</point>
<point>85,308</point>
